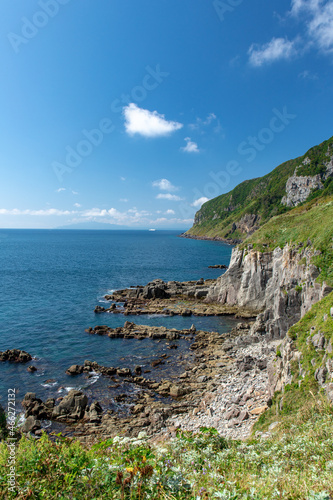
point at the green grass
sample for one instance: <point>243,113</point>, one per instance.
<point>297,464</point>
<point>312,221</point>
<point>261,196</point>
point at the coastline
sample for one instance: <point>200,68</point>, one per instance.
<point>228,241</point>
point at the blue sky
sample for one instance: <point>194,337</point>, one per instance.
<point>135,112</point>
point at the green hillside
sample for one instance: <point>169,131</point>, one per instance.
<point>261,197</point>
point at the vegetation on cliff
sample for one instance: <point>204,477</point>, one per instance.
<point>262,197</point>
<point>311,225</point>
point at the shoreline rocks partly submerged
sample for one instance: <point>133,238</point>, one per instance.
<point>170,298</point>
<point>15,355</point>
<point>224,385</point>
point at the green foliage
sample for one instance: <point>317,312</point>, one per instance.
<point>294,464</point>
<point>261,196</point>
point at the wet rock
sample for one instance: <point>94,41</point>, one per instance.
<point>138,370</point>
<point>74,370</point>
<point>157,362</point>
<point>15,355</point>
<point>99,309</point>
<point>31,369</point>
<point>124,372</point>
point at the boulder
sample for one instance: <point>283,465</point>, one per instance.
<point>15,355</point>
<point>31,369</point>
<point>73,406</point>
<point>259,410</point>
<point>95,412</point>
<point>186,312</point>
<point>30,425</point>
<point>176,391</point>
<point>124,372</point>
<point>99,309</point>
<point>74,370</point>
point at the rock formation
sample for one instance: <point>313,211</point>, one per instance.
<point>278,286</point>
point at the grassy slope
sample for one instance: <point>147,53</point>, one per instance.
<point>261,196</point>
<point>312,221</point>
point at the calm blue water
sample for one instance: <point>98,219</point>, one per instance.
<point>51,282</point>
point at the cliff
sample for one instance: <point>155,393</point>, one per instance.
<point>284,269</point>
<point>239,213</point>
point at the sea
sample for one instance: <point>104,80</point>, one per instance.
<point>51,281</point>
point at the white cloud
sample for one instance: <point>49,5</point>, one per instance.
<point>199,123</point>
<point>60,189</point>
<point>164,185</point>
<point>123,178</point>
<point>147,123</point>
<point>77,205</point>
<point>123,200</point>
<point>49,211</point>
<point>168,196</point>
<point>277,48</point>
<point>191,147</point>
<point>316,31</point>
<point>318,17</point>
<point>75,192</point>
<point>307,75</point>
<point>132,217</point>
<point>199,202</point>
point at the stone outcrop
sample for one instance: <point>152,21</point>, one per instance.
<point>159,289</point>
<point>299,187</point>
<point>247,225</point>
<point>15,355</point>
<point>278,286</point>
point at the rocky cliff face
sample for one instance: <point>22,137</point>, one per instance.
<point>281,372</point>
<point>299,187</point>
<point>279,287</point>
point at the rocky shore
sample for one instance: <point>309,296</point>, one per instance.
<point>227,241</point>
<point>224,384</point>
<point>170,298</point>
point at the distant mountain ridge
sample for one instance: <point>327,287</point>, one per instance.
<point>235,215</point>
